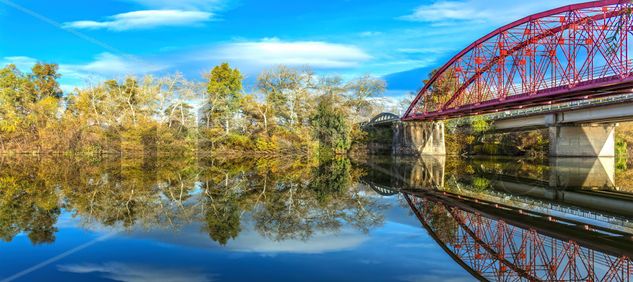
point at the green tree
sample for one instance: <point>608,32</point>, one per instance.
<point>330,125</point>
<point>224,90</point>
<point>14,97</point>
<point>44,77</point>
<point>442,90</point>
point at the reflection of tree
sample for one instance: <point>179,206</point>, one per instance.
<point>285,198</point>
<point>444,225</point>
<point>331,178</point>
<point>323,204</point>
<point>479,173</point>
<point>27,204</point>
<point>42,229</point>
<point>223,219</point>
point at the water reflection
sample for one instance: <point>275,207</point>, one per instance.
<point>127,193</point>
<point>516,220</point>
<point>425,219</point>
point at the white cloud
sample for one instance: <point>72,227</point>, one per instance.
<point>206,5</point>
<point>370,33</point>
<point>270,52</point>
<point>446,10</point>
<point>145,19</point>
<point>137,273</point>
<point>23,63</point>
<point>489,11</point>
<point>424,50</point>
<point>110,65</point>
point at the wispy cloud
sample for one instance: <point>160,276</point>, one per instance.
<point>146,19</point>
<point>370,33</point>
<point>106,63</point>
<point>205,5</point>
<point>110,65</point>
<point>269,52</point>
<point>446,10</point>
<point>23,63</point>
<point>424,50</point>
<point>137,273</point>
<point>489,11</point>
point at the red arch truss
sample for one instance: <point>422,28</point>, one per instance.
<point>569,53</point>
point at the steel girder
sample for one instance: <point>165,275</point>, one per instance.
<point>574,52</point>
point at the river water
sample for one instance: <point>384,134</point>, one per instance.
<point>373,219</point>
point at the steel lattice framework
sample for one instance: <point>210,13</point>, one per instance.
<point>574,52</point>
<point>492,249</point>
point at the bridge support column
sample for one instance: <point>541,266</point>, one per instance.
<point>582,140</point>
<point>419,138</point>
<point>582,173</point>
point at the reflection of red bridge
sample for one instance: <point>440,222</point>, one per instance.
<point>502,243</point>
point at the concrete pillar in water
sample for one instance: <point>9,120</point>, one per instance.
<point>428,172</point>
<point>419,138</point>
<point>577,173</point>
<point>425,172</point>
<point>582,140</point>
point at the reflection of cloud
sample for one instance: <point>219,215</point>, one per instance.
<point>250,241</point>
<point>439,273</point>
<point>369,261</point>
<point>137,273</point>
<point>417,245</point>
<point>421,278</point>
<point>58,257</point>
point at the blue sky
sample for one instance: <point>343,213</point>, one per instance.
<point>399,40</point>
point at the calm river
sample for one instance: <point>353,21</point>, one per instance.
<point>377,219</point>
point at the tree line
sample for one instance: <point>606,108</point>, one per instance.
<point>290,110</point>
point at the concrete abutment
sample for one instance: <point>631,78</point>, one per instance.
<point>425,138</point>
<point>582,140</point>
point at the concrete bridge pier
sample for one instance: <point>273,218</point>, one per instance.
<point>582,173</point>
<point>428,172</point>
<point>593,140</point>
<point>419,138</point>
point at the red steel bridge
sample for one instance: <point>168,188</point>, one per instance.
<point>576,52</point>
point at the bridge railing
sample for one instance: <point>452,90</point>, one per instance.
<point>565,106</point>
<point>382,118</point>
<point>578,104</point>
